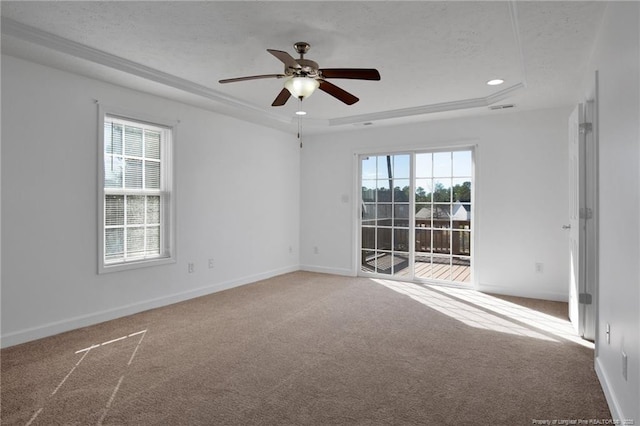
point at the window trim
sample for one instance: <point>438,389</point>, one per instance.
<point>168,224</point>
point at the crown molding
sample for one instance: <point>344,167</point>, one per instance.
<point>60,44</point>
<point>503,94</point>
<point>515,26</point>
<point>428,109</point>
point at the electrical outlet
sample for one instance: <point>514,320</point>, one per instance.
<point>624,365</point>
<point>539,267</point>
<point>210,263</point>
<point>190,267</point>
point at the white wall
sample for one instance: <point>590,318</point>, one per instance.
<point>521,193</point>
<point>237,202</point>
<point>617,59</point>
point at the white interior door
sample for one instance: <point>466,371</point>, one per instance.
<point>577,212</point>
<point>591,221</point>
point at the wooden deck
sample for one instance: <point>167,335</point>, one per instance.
<point>399,265</point>
<point>435,271</point>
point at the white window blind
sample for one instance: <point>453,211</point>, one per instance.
<point>137,186</point>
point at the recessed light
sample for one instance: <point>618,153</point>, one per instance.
<point>301,113</point>
<point>495,82</point>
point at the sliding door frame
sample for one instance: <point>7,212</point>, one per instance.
<point>358,205</point>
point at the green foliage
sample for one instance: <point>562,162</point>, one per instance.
<point>440,194</point>
<point>462,192</point>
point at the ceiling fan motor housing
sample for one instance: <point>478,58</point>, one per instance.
<point>308,68</point>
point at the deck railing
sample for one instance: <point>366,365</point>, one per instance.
<point>437,237</point>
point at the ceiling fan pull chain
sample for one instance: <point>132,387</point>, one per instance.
<point>300,121</point>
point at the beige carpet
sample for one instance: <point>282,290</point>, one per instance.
<point>307,348</point>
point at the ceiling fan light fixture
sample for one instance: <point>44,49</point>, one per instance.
<point>301,87</point>
<point>301,112</point>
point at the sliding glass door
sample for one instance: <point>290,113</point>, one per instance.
<point>442,224</point>
<point>416,215</point>
<point>385,213</point>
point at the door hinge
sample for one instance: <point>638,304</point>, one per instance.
<point>585,127</point>
<point>585,213</point>
<point>585,298</point>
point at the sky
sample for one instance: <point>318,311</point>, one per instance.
<point>456,164</point>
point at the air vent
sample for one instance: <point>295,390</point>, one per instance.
<point>505,106</point>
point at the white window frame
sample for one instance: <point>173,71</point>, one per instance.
<point>167,190</point>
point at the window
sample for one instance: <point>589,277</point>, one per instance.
<point>136,205</point>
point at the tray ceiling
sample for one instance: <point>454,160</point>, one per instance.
<point>434,57</point>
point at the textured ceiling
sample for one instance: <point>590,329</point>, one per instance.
<point>433,56</point>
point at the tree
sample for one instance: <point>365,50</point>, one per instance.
<point>401,195</point>
<point>462,193</point>
<point>441,194</point>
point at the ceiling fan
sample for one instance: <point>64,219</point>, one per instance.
<point>303,77</point>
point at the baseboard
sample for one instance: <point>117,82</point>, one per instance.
<point>609,394</point>
<point>518,292</point>
<point>325,270</point>
<point>57,327</point>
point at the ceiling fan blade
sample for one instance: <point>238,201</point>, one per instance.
<point>338,93</point>
<point>285,58</point>
<point>352,73</point>
<point>282,98</point>
<point>251,77</point>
